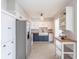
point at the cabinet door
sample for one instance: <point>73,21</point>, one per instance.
<point>10,53</point>
<point>13,26</point>
<point>69,19</point>
<point>41,38</point>
<point>13,48</point>
<point>46,38</point>
<point>4,25</point>
<point>4,51</point>
<point>7,27</point>
<point>8,50</point>
<point>9,31</point>
<point>35,37</point>
<point>58,53</point>
<point>58,44</point>
<point>12,39</point>
<point>8,36</point>
<point>50,37</point>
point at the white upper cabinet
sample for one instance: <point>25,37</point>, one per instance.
<point>7,27</point>
<point>3,4</point>
<point>66,21</point>
<point>69,19</point>
<point>8,5</point>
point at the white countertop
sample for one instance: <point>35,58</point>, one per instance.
<point>43,34</point>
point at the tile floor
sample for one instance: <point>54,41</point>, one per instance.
<point>42,50</point>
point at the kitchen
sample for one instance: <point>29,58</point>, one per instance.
<point>44,29</point>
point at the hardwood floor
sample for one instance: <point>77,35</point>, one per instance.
<point>42,50</point>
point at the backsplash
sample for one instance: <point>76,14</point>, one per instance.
<point>69,34</point>
<point>43,29</point>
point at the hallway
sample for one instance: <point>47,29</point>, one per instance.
<point>42,51</point>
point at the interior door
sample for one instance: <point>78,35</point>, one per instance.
<point>20,39</point>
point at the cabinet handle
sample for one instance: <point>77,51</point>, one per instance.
<point>9,53</point>
<point>12,42</point>
<point>4,45</point>
<point>9,27</point>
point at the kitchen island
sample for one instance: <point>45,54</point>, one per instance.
<point>65,48</point>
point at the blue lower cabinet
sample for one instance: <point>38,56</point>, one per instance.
<point>46,38</point>
<point>43,38</point>
<point>35,37</point>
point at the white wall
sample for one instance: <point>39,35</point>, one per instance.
<point>20,12</point>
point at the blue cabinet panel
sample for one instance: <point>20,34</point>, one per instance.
<point>36,37</point>
<point>46,38</point>
<point>43,38</point>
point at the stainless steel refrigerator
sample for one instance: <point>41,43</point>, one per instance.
<point>20,39</point>
<point>23,39</point>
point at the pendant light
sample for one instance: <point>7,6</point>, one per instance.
<point>42,17</point>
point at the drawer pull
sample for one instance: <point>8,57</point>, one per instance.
<point>12,42</point>
<point>9,53</point>
<point>9,27</point>
<point>4,45</point>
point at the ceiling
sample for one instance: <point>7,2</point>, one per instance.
<point>48,7</point>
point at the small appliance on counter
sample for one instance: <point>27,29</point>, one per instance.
<point>62,35</point>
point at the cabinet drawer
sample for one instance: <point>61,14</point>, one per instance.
<point>4,51</point>
<point>8,50</point>
<point>58,52</point>
<point>58,44</point>
<point>12,47</point>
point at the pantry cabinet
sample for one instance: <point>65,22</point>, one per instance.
<point>7,27</point>
<point>8,41</point>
